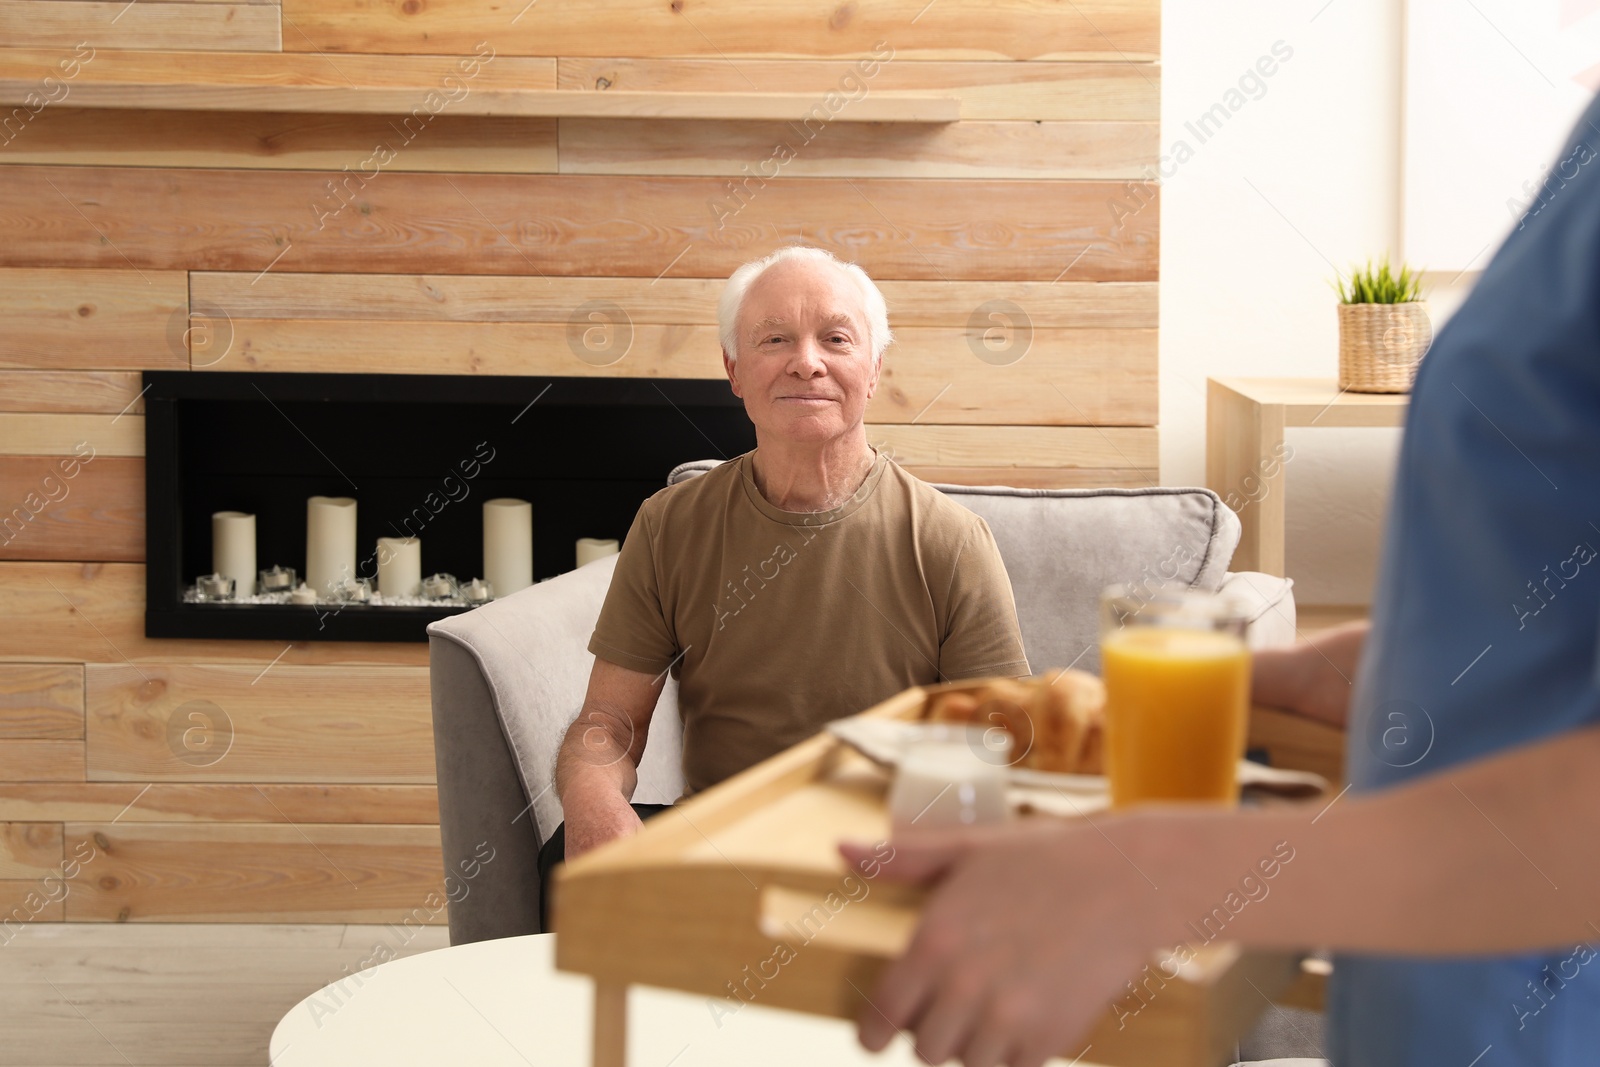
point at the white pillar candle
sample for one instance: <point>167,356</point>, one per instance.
<point>507,544</point>
<point>330,542</point>
<point>400,566</point>
<point>593,548</point>
<point>233,549</point>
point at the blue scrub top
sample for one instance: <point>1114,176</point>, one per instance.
<point>1486,627</point>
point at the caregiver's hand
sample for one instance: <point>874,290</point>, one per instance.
<point>1031,932</point>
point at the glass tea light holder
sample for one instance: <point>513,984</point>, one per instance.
<point>440,586</point>
<point>277,580</point>
<point>951,775</point>
<point>478,591</point>
<point>214,587</point>
<point>353,591</point>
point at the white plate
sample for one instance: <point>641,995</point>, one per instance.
<point>884,741</point>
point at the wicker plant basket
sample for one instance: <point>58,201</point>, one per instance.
<point>1380,345</point>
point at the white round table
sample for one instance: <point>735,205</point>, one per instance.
<point>497,1003</point>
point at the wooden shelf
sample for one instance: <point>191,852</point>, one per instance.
<point>397,85</point>
<point>521,103</point>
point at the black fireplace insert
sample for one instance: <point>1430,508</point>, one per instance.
<point>420,454</point>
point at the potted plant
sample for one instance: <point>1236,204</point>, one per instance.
<point>1384,329</point>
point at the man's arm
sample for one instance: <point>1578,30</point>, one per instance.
<point>1032,932</point>
<point>597,767</point>
<point>982,636</point>
<point>1312,677</point>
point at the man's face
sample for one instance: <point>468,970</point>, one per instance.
<point>805,369</point>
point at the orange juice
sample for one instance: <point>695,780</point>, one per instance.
<point>1176,707</point>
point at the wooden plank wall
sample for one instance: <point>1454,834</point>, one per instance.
<point>235,780</point>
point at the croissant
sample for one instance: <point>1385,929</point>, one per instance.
<point>1056,720</point>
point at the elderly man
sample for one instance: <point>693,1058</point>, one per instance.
<point>798,583</point>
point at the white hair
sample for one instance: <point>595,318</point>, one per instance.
<point>741,280</point>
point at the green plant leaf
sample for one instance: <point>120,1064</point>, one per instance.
<point>1380,283</point>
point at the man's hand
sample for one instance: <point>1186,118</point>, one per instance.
<point>1032,933</point>
<point>596,820</point>
<point>1313,677</point>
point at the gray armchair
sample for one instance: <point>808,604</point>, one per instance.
<point>509,677</point>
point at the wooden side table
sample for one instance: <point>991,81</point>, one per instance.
<point>1245,453</point>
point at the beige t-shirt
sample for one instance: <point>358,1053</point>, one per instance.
<point>774,622</point>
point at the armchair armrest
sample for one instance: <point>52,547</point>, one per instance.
<point>1271,601</point>
<point>487,828</point>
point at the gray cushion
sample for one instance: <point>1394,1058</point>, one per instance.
<point>1063,546</point>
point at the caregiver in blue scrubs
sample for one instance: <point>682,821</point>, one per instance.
<point>1458,880</point>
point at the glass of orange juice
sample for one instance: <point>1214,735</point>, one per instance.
<point>1177,675</point>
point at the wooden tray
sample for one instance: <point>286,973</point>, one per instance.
<point>740,892</point>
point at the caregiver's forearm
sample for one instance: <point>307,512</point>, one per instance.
<point>1493,857</point>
